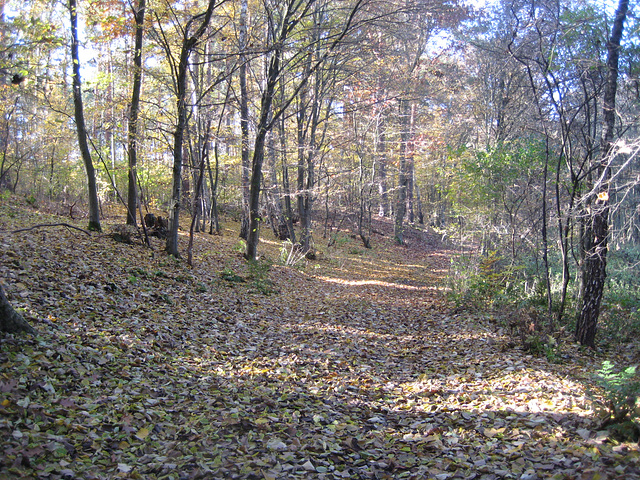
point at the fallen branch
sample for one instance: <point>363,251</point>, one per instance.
<point>42,225</point>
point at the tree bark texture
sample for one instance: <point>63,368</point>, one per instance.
<point>132,152</point>
<point>253,235</point>
<point>10,320</point>
<point>597,227</point>
<point>94,206</point>
<point>244,121</point>
<point>381,151</point>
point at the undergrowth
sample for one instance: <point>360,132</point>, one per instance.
<point>621,388</point>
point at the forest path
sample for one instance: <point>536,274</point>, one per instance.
<point>353,367</point>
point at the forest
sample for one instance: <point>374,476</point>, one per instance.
<point>319,239</point>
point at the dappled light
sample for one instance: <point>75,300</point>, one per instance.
<point>319,239</point>
<point>222,370</point>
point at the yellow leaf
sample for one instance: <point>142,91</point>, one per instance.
<point>142,433</point>
<point>5,402</point>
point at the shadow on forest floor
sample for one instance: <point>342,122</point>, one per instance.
<point>356,367</point>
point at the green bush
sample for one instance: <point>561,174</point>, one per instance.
<point>621,390</point>
<point>230,276</point>
<point>259,275</point>
<point>484,281</point>
<point>621,304</point>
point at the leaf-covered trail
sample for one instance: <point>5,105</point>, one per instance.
<point>354,368</point>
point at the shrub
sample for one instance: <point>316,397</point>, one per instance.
<point>621,389</point>
<point>259,275</point>
<point>484,281</point>
<point>291,254</point>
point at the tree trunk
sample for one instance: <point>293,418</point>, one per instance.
<point>178,139</point>
<point>188,43</point>
<point>94,206</point>
<point>244,121</point>
<point>401,196</point>
<point>253,235</point>
<point>597,228</point>
<point>383,209</point>
<point>276,217</point>
<point>10,320</point>
<point>286,187</point>
<point>203,146</point>
<point>132,198</point>
<point>294,13</point>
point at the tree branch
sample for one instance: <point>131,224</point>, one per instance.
<point>42,225</point>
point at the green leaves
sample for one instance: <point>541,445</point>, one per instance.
<point>621,389</point>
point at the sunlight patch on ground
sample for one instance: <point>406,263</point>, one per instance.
<point>388,265</point>
<point>379,283</point>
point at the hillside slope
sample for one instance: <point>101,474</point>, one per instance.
<point>351,366</point>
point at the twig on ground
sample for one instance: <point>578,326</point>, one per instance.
<point>42,225</point>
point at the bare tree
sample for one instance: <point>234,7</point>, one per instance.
<point>94,206</point>
<point>180,70</point>
<point>596,233</point>
<point>244,118</point>
<point>293,13</point>
<point>132,201</point>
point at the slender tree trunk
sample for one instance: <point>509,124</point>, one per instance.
<point>214,226</point>
<point>419,212</point>
<point>545,239</point>
<point>286,186</point>
<point>401,195</point>
<point>277,218</point>
<point>410,167</point>
<point>204,157</point>
<point>381,147</point>
<point>188,43</point>
<point>10,320</point>
<point>178,140</point>
<point>244,121</point>
<point>364,210</point>
<point>258,159</point>
<point>5,147</point>
<point>597,228</point>
<point>132,198</point>
<point>94,205</point>
<point>306,124</point>
<point>381,157</point>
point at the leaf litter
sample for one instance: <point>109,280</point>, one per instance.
<point>353,367</point>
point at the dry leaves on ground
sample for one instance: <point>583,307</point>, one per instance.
<point>353,367</point>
